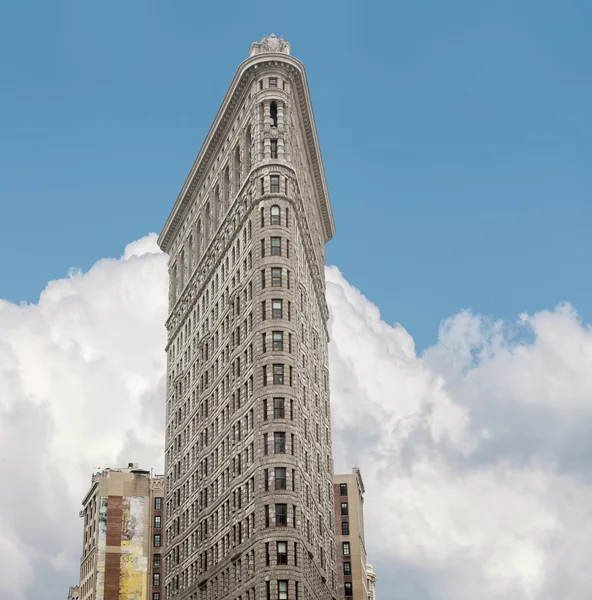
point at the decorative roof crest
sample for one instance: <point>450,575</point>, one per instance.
<point>270,44</point>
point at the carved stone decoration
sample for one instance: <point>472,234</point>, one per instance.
<point>270,44</point>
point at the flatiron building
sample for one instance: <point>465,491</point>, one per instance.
<point>249,492</point>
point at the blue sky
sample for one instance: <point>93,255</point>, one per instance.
<point>456,137</point>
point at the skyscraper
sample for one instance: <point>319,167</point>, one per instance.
<point>249,472</point>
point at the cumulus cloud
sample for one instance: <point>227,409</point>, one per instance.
<point>475,455</point>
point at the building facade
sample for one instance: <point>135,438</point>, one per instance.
<point>123,537</point>
<point>355,580</point>
<point>74,593</point>
<point>249,491</point>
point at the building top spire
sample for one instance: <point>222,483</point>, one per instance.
<point>270,44</point>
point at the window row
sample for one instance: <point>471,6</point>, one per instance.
<point>279,516</point>
<point>277,342</point>
<point>277,309</point>
<point>277,247</point>
<point>277,375</point>
<point>277,277</point>
<point>275,212</point>
<point>279,409</point>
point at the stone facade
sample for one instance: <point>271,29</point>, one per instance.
<point>249,491</point>
<point>123,537</point>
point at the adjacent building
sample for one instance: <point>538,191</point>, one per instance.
<point>356,578</point>
<point>74,593</point>
<point>123,536</point>
<point>249,470</point>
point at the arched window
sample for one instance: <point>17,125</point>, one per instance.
<point>236,168</point>
<point>248,149</point>
<point>273,112</point>
<point>275,215</point>
<point>226,188</point>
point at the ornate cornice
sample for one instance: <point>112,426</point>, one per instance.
<point>247,72</point>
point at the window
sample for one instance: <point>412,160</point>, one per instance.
<point>280,478</point>
<point>281,515</point>
<point>261,84</point>
<point>274,148</point>
<point>157,522</point>
<point>282,553</point>
<point>348,589</point>
<point>344,527</point>
<point>273,114</point>
<point>265,410</point>
<point>278,374</point>
<point>157,540</point>
<point>158,503</point>
<point>156,579</point>
<point>275,215</point>
<point>343,489</point>
<point>156,596</point>
<point>278,408</point>
<point>273,82</point>
<point>276,277</point>
<point>276,246</point>
<point>264,342</point>
<point>276,309</point>
<point>156,561</point>
<point>266,478</point>
<point>266,515</point>
<point>263,279</point>
<point>265,444</point>
<point>347,569</point>
<point>278,340</point>
<point>346,551</point>
<point>282,590</point>
<point>279,442</point>
<point>275,184</point>
<point>344,509</point>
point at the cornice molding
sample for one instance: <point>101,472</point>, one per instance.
<point>245,74</point>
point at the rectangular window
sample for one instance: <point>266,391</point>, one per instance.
<point>281,515</point>
<point>157,540</point>
<point>156,579</point>
<point>265,444</point>
<point>276,246</point>
<point>156,596</point>
<point>266,515</point>
<point>276,277</point>
<point>263,279</point>
<point>263,311</point>
<point>344,527</point>
<point>263,342</point>
<point>274,147</point>
<point>263,248</point>
<point>348,589</point>
<point>282,590</point>
<point>278,374</point>
<point>347,569</point>
<point>278,341</point>
<point>158,503</point>
<point>267,561</point>
<point>343,489</point>
<point>275,184</point>
<point>278,408</point>
<point>156,522</point>
<point>344,509</point>
<point>279,442</point>
<point>265,410</point>
<point>346,551</point>
<point>156,561</point>
<point>273,82</point>
<point>280,478</point>
<point>266,473</point>
<point>282,553</point>
<point>276,309</point>
<point>264,372</point>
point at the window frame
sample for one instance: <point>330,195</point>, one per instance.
<point>279,441</point>
<point>279,515</point>
<point>275,219</point>
<point>274,184</point>
<point>276,478</point>
<point>279,409</point>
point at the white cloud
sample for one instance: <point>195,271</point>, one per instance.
<point>475,456</point>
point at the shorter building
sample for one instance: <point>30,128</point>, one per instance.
<point>371,581</point>
<point>353,577</point>
<point>123,536</point>
<point>74,593</point>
